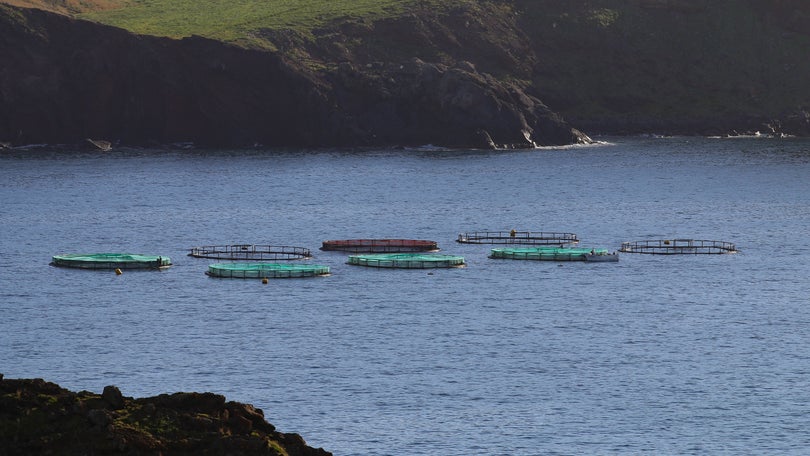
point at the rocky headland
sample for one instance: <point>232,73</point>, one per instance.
<point>39,417</point>
<point>488,74</point>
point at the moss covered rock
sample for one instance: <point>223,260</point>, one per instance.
<point>39,417</point>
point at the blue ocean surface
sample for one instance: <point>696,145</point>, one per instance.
<point>682,354</point>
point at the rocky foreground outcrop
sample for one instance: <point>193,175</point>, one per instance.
<point>38,417</point>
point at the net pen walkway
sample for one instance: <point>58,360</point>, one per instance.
<point>247,252</point>
<point>678,247</point>
<point>517,237</point>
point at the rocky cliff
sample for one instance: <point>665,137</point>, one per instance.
<point>64,80</point>
<point>38,417</point>
<point>494,73</point>
<point>700,67</point>
<point>694,67</point>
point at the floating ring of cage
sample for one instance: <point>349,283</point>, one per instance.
<point>555,254</point>
<point>266,270</point>
<point>246,252</point>
<point>407,260</point>
<point>678,247</point>
<point>111,261</point>
<point>517,237</point>
<point>380,245</point>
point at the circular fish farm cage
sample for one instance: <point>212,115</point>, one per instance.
<point>407,261</point>
<point>555,254</point>
<point>380,245</point>
<point>111,261</point>
<point>679,247</point>
<point>248,252</point>
<point>517,237</point>
<point>266,270</point>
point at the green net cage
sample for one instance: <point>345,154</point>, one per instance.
<point>266,270</point>
<point>554,254</point>
<point>111,261</point>
<point>407,260</point>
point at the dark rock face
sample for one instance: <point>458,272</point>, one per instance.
<point>448,78</point>
<point>796,123</point>
<point>65,80</point>
<point>693,67</point>
<point>418,102</point>
<point>38,417</point>
<point>113,397</point>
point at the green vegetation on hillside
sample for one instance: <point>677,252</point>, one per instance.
<point>238,20</point>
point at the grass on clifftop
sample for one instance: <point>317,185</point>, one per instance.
<point>237,20</point>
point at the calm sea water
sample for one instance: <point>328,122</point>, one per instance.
<point>683,354</point>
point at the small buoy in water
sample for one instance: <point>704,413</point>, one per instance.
<point>264,280</point>
<point>118,271</point>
